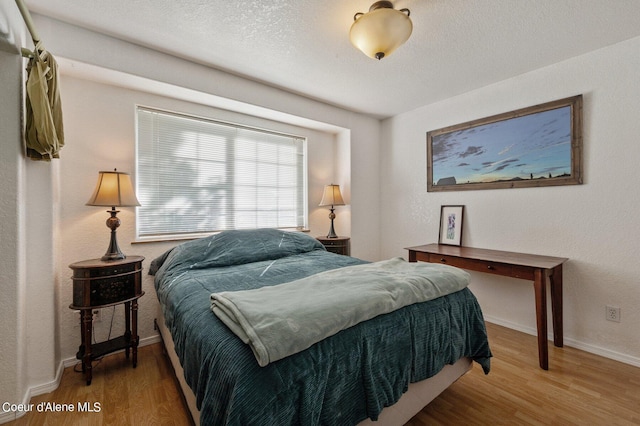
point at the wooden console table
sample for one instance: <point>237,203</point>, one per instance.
<point>515,265</point>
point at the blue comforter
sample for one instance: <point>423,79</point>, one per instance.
<point>341,380</point>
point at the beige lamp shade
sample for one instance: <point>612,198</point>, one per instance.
<point>332,196</point>
<point>380,31</point>
<point>114,189</point>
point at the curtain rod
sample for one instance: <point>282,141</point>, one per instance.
<point>24,11</point>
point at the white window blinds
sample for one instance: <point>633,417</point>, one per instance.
<point>198,176</point>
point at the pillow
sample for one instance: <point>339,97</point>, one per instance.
<point>237,247</point>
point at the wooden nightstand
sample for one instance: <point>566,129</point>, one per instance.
<point>339,245</point>
<point>99,284</point>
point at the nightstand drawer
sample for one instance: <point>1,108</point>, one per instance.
<point>331,243</point>
<point>339,245</point>
<point>105,283</point>
<point>104,291</point>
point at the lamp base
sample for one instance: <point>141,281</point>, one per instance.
<point>113,252</point>
<point>332,232</point>
<point>114,256</point>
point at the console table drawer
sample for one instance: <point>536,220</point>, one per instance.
<point>472,264</point>
<point>522,272</point>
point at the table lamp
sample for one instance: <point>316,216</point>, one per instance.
<point>332,197</point>
<point>114,189</point>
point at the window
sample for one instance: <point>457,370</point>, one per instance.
<point>197,176</point>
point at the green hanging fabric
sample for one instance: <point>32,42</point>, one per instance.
<point>44,130</point>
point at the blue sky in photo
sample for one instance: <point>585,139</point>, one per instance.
<point>535,144</point>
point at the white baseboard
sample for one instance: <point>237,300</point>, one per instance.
<point>568,341</point>
<point>31,392</point>
<point>9,416</point>
<point>53,385</point>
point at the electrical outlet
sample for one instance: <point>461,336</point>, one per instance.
<point>613,313</point>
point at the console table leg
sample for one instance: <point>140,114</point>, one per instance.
<point>540,287</point>
<point>556,305</point>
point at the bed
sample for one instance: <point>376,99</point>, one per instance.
<point>346,378</point>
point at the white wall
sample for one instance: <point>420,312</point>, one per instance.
<point>11,226</point>
<point>27,238</point>
<point>595,225</point>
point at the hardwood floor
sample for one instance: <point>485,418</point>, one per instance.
<point>145,395</point>
<point>579,388</point>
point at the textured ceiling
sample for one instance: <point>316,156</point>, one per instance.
<point>302,45</point>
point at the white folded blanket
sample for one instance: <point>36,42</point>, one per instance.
<point>282,320</point>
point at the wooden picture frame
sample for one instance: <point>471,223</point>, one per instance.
<point>530,147</point>
<point>451,221</point>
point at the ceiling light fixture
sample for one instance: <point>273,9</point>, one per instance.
<point>381,30</point>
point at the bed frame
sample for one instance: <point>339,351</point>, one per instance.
<point>411,402</point>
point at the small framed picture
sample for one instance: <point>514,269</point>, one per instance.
<point>451,225</point>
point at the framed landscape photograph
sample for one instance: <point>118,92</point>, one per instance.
<point>451,225</point>
<point>530,147</point>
